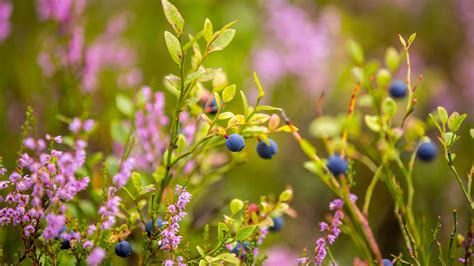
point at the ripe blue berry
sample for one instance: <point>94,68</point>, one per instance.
<point>267,151</point>
<point>426,151</point>
<point>398,89</point>
<point>65,244</point>
<point>210,106</point>
<point>387,262</point>
<point>278,223</point>
<point>123,249</point>
<point>337,165</point>
<point>149,226</point>
<point>238,248</point>
<point>235,143</point>
<point>63,230</point>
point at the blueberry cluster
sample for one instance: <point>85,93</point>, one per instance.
<point>236,143</point>
<point>149,227</point>
<point>387,262</point>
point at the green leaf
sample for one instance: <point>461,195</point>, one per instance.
<point>358,74</point>
<point>224,38</point>
<point>256,129</point>
<point>230,258</point>
<point>389,107</point>
<point>218,100</point>
<point>245,232</point>
<point>307,148</point>
<point>192,40</point>
<point>221,231</point>
<point>314,167</point>
<point>236,205</point>
<point>259,118</point>
<point>383,77</point>
<point>173,16</point>
<point>245,103</point>
<point>261,92</point>
<point>124,105</point>
<point>411,39</point>
<point>137,180</point>
<point>286,195</point>
<point>442,114</point>
<point>373,122</point>
<point>181,144</point>
<point>118,132</point>
<point>208,31</point>
<point>236,120</point>
<point>402,40</point>
<point>206,118</point>
<point>159,174</point>
<point>471,131</point>
<point>201,251</point>
<point>324,127</point>
<point>225,115</point>
<point>174,47</point>
<point>267,108</point>
<point>229,93</point>
<point>392,59</point>
<point>355,51</point>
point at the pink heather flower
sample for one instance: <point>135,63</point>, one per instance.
<point>75,125</point>
<point>121,178</point>
<point>6,9</point>
<point>96,257</point>
<point>279,255</point>
<point>58,10</point>
<point>150,125</point>
<point>331,232</point>
<point>87,244</point>
<point>54,224</point>
<point>29,230</point>
<point>89,125</point>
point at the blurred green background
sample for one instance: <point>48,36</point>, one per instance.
<point>443,52</point>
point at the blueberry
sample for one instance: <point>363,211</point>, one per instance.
<point>236,249</point>
<point>267,151</point>
<point>210,106</point>
<point>123,249</point>
<point>63,230</point>
<point>398,89</point>
<point>278,223</point>
<point>65,245</point>
<point>387,262</point>
<point>148,226</point>
<point>235,142</point>
<point>426,151</point>
<point>337,165</point>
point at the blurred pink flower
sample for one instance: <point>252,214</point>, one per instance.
<point>6,9</point>
<point>280,256</point>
